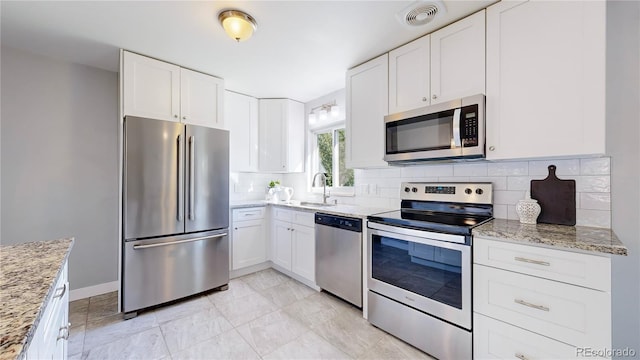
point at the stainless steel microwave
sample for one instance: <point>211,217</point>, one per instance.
<point>450,130</point>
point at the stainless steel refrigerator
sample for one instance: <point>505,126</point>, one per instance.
<point>175,211</point>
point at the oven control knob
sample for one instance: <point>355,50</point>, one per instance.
<point>468,191</point>
<point>407,189</point>
<point>479,191</point>
<point>414,189</point>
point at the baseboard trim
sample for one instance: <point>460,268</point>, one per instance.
<point>94,290</point>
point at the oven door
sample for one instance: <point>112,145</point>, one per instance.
<point>429,275</point>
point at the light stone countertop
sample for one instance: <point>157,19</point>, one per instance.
<point>28,273</point>
<point>563,237</point>
<point>339,209</point>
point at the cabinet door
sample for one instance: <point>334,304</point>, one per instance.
<point>282,244</point>
<point>545,79</point>
<point>367,104</point>
<point>151,88</point>
<point>249,243</point>
<point>295,136</point>
<point>409,76</point>
<point>303,245</point>
<point>241,117</point>
<point>201,99</point>
<point>273,143</point>
<point>458,59</point>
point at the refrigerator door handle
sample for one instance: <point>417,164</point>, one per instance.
<point>146,246</point>
<point>192,173</point>
<point>179,180</point>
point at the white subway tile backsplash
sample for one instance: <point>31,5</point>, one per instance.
<point>470,169</point>
<point>512,214</point>
<point>507,168</point>
<point>593,184</point>
<point>519,183</point>
<point>595,218</point>
<point>420,179</point>
<point>413,172</point>
<point>499,182</point>
<point>594,201</point>
<point>453,179</point>
<point>393,192</point>
<point>500,211</point>
<point>394,172</point>
<point>597,166</point>
<point>540,169</point>
<point>507,197</point>
<point>439,170</point>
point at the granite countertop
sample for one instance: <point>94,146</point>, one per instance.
<point>338,209</point>
<point>577,238</point>
<point>28,273</point>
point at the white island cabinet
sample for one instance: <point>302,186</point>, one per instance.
<point>545,79</point>
<point>159,90</point>
<point>50,339</point>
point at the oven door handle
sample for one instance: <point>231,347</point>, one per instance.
<point>458,239</point>
<point>457,140</point>
<point>425,240</point>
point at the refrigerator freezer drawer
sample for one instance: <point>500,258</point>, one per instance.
<point>165,269</point>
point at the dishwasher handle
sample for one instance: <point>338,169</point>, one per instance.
<point>340,222</point>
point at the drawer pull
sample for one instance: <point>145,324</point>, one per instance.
<point>521,357</point>
<point>531,261</point>
<point>62,290</point>
<point>525,303</point>
<point>66,332</point>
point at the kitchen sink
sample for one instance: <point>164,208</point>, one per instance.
<point>309,203</point>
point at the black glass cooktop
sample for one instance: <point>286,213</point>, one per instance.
<point>450,218</point>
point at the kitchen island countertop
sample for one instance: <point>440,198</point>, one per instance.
<point>562,237</point>
<point>28,273</point>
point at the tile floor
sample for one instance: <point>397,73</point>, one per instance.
<point>265,315</point>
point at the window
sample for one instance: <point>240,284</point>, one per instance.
<point>329,157</point>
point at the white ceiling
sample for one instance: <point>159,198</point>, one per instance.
<point>301,49</point>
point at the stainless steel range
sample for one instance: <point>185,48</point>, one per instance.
<point>419,263</point>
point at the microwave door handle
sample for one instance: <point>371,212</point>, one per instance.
<point>456,127</point>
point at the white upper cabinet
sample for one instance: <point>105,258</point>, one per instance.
<point>241,118</point>
<point>545,79</point>
<point>151,88</point>
<point>281,135</point>
<point>159,90</point>
<point>201,99</point>
<point>367,104</point>
<point>409,75</point>
<point>458,59</point>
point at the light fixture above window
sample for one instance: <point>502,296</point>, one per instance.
<point>324,112</point>
<point>237,24</point>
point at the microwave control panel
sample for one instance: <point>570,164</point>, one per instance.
<point>469,125</point>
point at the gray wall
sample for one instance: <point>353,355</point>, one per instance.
<point>623,134</point>
<point>60,160</point>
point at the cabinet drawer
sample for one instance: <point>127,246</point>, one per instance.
<point>586,270</point>
<point>568,313</point>
<point>282,214</point>
<point>304,218</point>
<point>248,214</point>
<point>493,339</point>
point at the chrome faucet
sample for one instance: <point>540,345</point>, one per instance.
<point>324,185</point>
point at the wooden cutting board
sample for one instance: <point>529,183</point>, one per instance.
<point>557,199</point>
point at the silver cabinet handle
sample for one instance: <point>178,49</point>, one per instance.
<point>66,332</point>
<point>235,228</point>
<point>528,304</point>
<point>61,294</point>
<point>434,96</point>
<point>531,261</point>
<point>520,356</point>
<point>192,173</point>
<point>424,98</point>
<point>147,246</point>
<point>175,116</point>
<point>184,117</point>
<point>491,148</point>
<point>179,178</point>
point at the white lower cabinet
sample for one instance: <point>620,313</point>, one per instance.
<point>249,240</point>
<point>293,242</point>
<point>52,333</point>
<point>531,302</point>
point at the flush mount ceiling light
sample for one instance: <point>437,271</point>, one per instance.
<point>237,24</point>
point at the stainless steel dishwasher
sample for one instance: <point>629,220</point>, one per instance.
<point>339,256</point>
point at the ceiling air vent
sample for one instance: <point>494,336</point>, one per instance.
<point>421,13</point>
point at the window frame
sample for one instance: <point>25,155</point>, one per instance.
<point>315,159</point>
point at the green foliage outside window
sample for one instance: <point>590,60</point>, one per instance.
<point>325,151</point>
